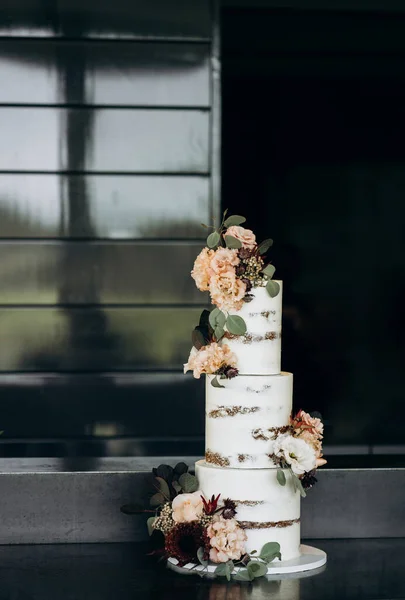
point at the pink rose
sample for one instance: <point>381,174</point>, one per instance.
<point>224,261</point>
<point>187,507</point>
<point>245,236</point>
<point>209,359</point>
<point>202,271</point>
<point>227,291</point>
<point>227,540</point>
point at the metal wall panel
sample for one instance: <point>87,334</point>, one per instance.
<point>95,339</point>
<point>103,206</point>
<point>102,405</point>
<point>97,273</point>
<point>103,73</point>
<point>150,19</point>
<point>56,139</point>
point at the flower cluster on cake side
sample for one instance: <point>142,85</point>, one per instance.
<point>200,531</point>
<point>231,265</point>
<point>299,450</point>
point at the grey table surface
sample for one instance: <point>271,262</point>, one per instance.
<point>371,569</point>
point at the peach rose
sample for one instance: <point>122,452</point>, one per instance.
<point>187,507</point>
<point>209,359</point>
<point>245,236</point>
<point>227,540</point>
<point>224,260</point>
<point>202,272</point>
<point>227,291</point>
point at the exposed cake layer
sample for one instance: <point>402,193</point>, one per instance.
<point>259,350</point>
<point>266,510</point>
<point>243,418</point>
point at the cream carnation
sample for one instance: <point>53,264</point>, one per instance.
<point>224,260</point>
<point>202,272</point>
<point>304,421</point>
<point>187,507</point>
<point>245,236</point>
<point>209,359</point>
<point>227,540</point>
<point>227,291</point>
<point>296,452</point>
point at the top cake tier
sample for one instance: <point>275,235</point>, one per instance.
<point>259,350</point>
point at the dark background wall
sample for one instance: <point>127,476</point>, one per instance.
<point>109,162</point>
<point>107,168</point>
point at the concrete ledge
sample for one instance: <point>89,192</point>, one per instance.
<point>78,500</point>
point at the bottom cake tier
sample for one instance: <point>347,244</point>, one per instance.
<point>268,511</point>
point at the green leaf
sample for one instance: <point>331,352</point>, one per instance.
<point>232,242</point>
<point>189,483</point>
<point>225,213</point>
<point>258,569</point>
<point>264,246</point>
<point>149,524</point>
<point>180,468</point>
<point>219,333</point>
<point>234,220</point>
<point>269,270</point>
<point>198,339</point>
<point>297,484</point>
<point>200,556</point>
<point>217,318</point>
<point>272,288</point>
<point>163,487</point>
<point>215,383</point>
<point>221,570</point>
<point>253,552</point>
<point>270,551</point>
<point>213,239</point>
<point>157,500</point>
<point>164,471</point>
<point>204,225</point>
<point>243,575</point>
<point>281,477</point>
<point>235,325</point>
<point>176,486</point>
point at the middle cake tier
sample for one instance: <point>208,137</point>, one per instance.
<point>244,417</point>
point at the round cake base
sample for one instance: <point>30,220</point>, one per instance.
<point>311,558</point>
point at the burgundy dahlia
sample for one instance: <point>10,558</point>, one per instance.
<point>183,541</point>
<point>231,372</point>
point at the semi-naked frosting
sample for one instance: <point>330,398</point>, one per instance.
<point>243,418</point>
<point>266,510</point>
<point>259,350</point>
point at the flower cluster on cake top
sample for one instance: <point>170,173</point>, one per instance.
<point>193,529</point>
<point>229,268</point>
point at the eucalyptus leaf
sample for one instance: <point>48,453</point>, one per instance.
<point>243,575</point>
<point>157,500</point>
<point>281,477</point>
<point>219,333</point>
<point>176,487</point>
<point>253,552</point>
<point>234,220</point>
<point>189,483</point>
<point>164,471</point>
<point>213,239</point>
<point>232,242</point>
<point>180,468</point>
<point>264,246</point>
<point>272,288</point>
<point>217,318</point>
<point>235,325</point>
<point>200,556</point>
<point>225,213</point>
<point>301,488</point>
<point>149,524</point>
<point>221,570</point>
<point>197,339</point>
<point>163,487</point>
<point>215,383</point>
<point>270,551</point>
<point>269,270</point>
<point>258,569</point>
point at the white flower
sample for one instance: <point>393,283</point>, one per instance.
<point>187,507</point>
<point>297,453</point>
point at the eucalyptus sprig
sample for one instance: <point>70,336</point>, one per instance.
<point>250,566</point>
<point>216,238</point>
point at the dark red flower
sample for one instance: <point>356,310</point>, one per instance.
<point>244,253</point>
<point>231,372</point>
<point>229,509</point>
<point>211,506</point>
<point>183,540</point>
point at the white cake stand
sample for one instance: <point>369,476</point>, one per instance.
<point>310,558</point>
